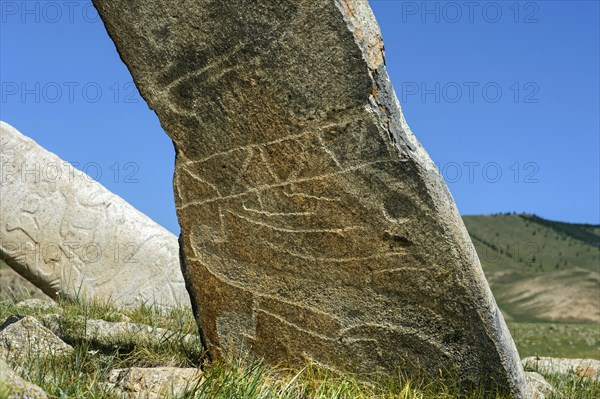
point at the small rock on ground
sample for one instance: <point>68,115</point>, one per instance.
<point>152,383</point>
<point>538,387</point>
<point>17,387</point>
<point>106,334</point>
<point>37,304</point>
<point>581,368</point>
<point>21,337</point>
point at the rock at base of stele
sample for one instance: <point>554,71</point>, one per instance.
<point>15,387</point>
<point>152,383</point>
<point>538,387</point>
<point>22,337</point>
<point>580,368</point>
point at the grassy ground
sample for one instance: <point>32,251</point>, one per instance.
<point>557,339</point>
<point>80,375</point>
<point>526,243</point>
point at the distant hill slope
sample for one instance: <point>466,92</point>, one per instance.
<point>540,270</point>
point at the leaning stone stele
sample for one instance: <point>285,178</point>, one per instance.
<point>314,225</point>
<point>70,236</point>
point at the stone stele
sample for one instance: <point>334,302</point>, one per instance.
<point>70,236</point>
<point>314,224</point>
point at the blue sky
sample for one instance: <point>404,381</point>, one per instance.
<point>504,96</point>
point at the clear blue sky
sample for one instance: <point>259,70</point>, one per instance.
<point>503,95</point>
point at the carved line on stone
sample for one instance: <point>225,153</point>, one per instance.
<point>293,194</point>
<point>336,231</point>
<point>336,260</point>
<point>265,159</point>
<point>285,183</point>
<point>304,134</point>
<point>399,269</point>
<point>244,168</point>
<point>273,214</point>
<point>215,64</point>
<point>222,223</point>
<point>298,305</point>
<point>396,329</point>
<point>219,276</point>
<point>295,326</point>
<point>328,151</point>
<point>346,333</point>
<point>201,180</point>
<point>315,127</point>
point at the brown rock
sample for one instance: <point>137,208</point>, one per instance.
<point>314,225</point>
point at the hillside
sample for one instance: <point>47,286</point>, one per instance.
<point>540,270</point>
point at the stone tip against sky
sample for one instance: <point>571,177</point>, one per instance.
<point>533,148</point>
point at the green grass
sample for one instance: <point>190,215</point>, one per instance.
<point>527,243</point>
<point>4,390</point>
<point>588,233</point>
<point>80,374</point>
<point>557,339</point>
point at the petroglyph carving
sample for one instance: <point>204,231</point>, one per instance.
<point>70,236</point>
